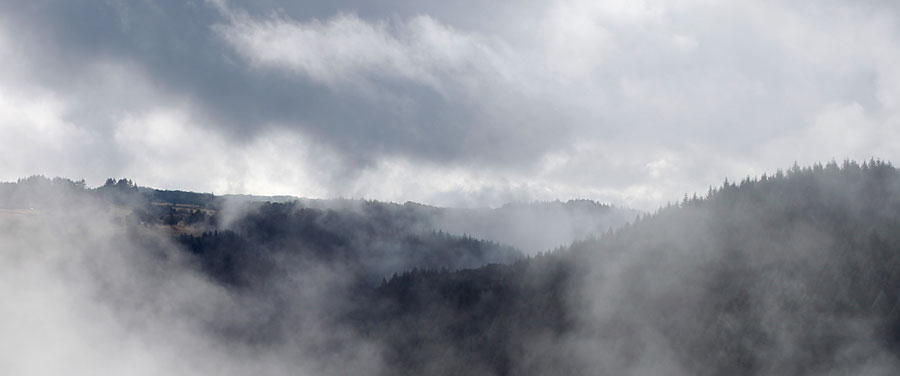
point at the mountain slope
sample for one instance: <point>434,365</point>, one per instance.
<point>793,274</point>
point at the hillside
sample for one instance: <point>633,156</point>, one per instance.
<point>370,239</point>
<point>797,273</point>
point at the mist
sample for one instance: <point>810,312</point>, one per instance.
<point>790,273</point>
<point>86,293</point>
<point>537,227</point>
<point>778,275</point>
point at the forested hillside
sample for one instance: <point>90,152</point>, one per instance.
<point>235,240</point>
<point>369,239</point>
<point>370,244</point>
<point>796,273</point>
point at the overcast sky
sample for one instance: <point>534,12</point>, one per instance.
<point>459,103</point>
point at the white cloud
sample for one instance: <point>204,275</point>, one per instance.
<point>348,52</point>
<point>37,137</point>
<point>634,103</point>
<point>576,41</point>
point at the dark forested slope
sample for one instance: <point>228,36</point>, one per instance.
<point>369,239</point>
<point>797,273</point>
<point>370,243</point>
<point>235,240</point>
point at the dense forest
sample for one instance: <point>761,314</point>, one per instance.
<point>796,273</point>
<point>792,273</point>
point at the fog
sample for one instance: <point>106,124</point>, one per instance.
<point>96,297</point>
<point>773,276</point>
<point>537,227</point>
<point>788,274</point>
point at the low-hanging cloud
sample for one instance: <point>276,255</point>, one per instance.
<point>100,297</point>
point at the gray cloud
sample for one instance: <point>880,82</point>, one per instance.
<point>627,102</point>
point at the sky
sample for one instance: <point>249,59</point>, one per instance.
<point>463,103</point>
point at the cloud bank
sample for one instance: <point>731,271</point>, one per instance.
<point>464,103</point>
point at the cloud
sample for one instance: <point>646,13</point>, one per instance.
<point>445,95</point>
<point>346,50</point>
<point>538,98</point>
